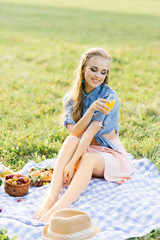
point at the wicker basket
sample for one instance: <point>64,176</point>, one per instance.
<point>16,190</point>
<point>39,183</point>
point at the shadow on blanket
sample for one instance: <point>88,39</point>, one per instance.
<point>120,211</point>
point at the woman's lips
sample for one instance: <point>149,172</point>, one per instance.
<point>95,81</point>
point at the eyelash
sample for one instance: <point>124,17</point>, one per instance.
<point>94,70</point>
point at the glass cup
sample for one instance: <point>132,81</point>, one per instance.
<point>112,98</point>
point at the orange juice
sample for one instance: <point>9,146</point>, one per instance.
<point>110,105</point>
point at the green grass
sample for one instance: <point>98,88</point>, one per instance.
<point>155,234</point>
<point>40,46</point>
<point>4,236</point>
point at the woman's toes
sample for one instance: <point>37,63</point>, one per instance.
<point>43,219</point>
<point>36,217</point>
<point>37,213</point>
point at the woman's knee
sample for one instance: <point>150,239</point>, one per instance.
<point>86,159</point>
<point>94,161</point>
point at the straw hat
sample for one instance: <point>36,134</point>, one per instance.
<point>69,224</point>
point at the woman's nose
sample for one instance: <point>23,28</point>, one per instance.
<point>97,74</point>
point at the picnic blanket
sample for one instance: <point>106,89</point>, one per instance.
<point>120,211</point>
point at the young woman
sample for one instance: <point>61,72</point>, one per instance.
<point>93,144</point>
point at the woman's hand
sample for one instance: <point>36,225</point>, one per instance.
<point>99,105</point>
<point>68,173</point>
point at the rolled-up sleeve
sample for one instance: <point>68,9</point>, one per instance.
<point>69,107</point>
<point>98,116</point>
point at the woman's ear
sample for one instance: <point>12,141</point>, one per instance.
<point>83,71</point>
<point>83,74</point>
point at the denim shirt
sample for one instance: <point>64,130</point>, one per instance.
<point>108,121</point>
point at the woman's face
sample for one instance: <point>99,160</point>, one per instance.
<point>95,72</point>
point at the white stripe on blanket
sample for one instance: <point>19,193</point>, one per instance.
<point>120,211</point>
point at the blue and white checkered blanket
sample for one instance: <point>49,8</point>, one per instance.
<point>120,211</point>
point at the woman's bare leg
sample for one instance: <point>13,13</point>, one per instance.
<point>67,150</point>
<point>90,164</point>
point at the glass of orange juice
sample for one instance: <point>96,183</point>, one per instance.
<point>112,98</point>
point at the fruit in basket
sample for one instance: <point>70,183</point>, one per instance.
<point>40,176</point>
<point>16,185</point>
<point>47,175</point>
<point>9,176</point>
<point>35,173</point>
<point>14,179</point>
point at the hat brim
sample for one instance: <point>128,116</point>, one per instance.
<point>47,236</point>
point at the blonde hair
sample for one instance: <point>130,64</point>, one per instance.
<point>76,93</point>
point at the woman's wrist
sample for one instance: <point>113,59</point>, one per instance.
<point>91,110</point>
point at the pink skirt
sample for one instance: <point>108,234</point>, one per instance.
<point>118,167</point>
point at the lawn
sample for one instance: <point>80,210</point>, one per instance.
<point>40,46</point>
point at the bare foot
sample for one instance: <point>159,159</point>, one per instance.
<point>45,207</point>
<point>55,207</point>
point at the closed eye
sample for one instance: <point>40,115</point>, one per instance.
<point>103,73</point>
<point>93,69</point>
